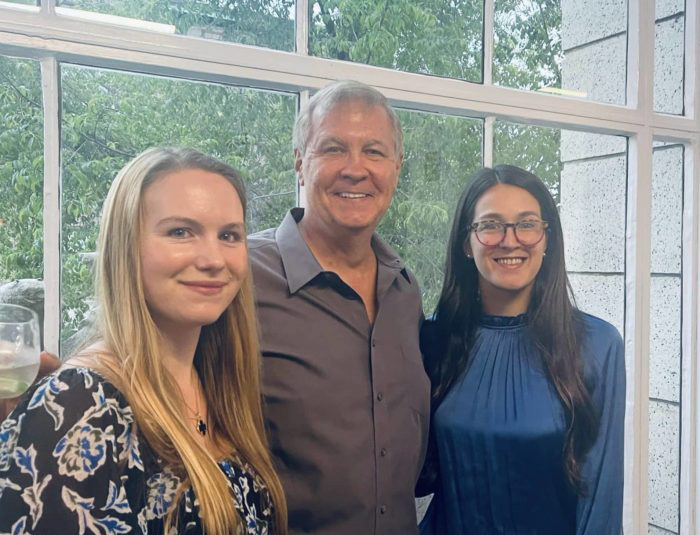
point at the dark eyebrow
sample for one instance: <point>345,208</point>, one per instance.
<point>499,217</point>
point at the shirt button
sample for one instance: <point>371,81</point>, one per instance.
<point>380,396</point>
<point>374,343</point>
<point>382,509</point>
<point>382,452</point>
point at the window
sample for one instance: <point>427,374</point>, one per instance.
<point>21,170</point>
<point>577,49</point>
<point>669,56</point>
<point>665,359</point>
<point>267,23</point>
<point>428,37</point>
<point>440,154</point>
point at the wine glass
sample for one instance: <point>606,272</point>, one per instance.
<point>19,349</point>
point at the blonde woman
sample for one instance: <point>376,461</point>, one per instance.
<point>157,426</point>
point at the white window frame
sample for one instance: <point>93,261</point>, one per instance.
<point>42,34</point>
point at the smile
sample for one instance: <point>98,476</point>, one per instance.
<point>510,261</point>
<point>349,195</point>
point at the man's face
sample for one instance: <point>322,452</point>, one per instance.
<point>350,168</point>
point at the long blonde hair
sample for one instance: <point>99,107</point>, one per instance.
<point>227,358</point>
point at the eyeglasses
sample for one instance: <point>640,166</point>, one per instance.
<point>491,233</point>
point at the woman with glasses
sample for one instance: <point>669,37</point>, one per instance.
<point>528,391</point>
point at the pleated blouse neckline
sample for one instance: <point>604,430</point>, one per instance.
<point>503,322</point>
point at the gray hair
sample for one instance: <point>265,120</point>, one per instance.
<point>332,95</point>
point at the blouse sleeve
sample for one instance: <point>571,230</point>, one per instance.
<point>64,453</point>
<point>599,511</point>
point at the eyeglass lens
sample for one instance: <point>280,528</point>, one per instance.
<point>526,232</point>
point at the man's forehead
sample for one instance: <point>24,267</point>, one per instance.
<point>329,122</point>
<point>322,112</point>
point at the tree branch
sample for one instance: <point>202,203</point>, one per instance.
<point>16,90</point>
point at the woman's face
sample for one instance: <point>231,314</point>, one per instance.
<point>193,249</point>
<point>508,269</point>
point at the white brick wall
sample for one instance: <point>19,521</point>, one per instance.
<point>594,182</point>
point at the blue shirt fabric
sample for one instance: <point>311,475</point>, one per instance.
<point>499,435</point>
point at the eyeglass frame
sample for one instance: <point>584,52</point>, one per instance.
<point>545,229</point>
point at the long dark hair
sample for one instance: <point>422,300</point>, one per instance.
<point>554,323</point>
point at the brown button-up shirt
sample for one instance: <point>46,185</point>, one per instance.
<point>346,402</point>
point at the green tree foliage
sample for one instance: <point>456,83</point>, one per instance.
<point>109,116</point>
<point>422,36</point>
<point>440,153</point>
<point>527,44</point>
<point>528,55</point>
<point>21,170</point>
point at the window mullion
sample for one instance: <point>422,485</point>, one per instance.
<point>689,346</point>
<point>637,297</point>
<point>48,7</point>
<point>488,42</point>
<point>301,23</point>
<point>488,141</point>
<point>52,203</point>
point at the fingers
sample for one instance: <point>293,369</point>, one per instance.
<point>49,363</point>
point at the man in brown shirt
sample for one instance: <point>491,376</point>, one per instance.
<point>346,397</point>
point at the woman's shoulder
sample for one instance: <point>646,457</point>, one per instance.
<point>73,383</point>
<point>67,396</point>
<point>599,331</point>
<point>603,349</point>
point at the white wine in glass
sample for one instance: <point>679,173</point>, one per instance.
<point>19,349</point>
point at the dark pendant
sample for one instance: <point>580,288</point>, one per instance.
<point>201,427</point>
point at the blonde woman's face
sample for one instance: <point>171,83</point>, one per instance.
<point>194,255</point>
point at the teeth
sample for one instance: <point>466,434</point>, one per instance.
<point>510,261</point>
<point>352,195</point>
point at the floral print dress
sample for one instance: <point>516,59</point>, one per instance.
<point>73,462</point>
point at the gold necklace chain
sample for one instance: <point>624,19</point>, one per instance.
<point>199,424</point>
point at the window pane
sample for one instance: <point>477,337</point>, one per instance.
<point>530,147</point>
<point>587,174</point>
<point>440,153</point>
<point>268,23</point>
<point>669,56</point>
<point>439,38</point>
<point>665,340</point>
<point>570,47</point>
<point>109,117</point>
<point>21,170</point>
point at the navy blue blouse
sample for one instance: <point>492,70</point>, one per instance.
<point>499,434</point>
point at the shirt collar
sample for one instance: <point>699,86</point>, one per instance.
<point>300,265</point>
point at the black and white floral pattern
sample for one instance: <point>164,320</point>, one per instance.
<point>72,461</point>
